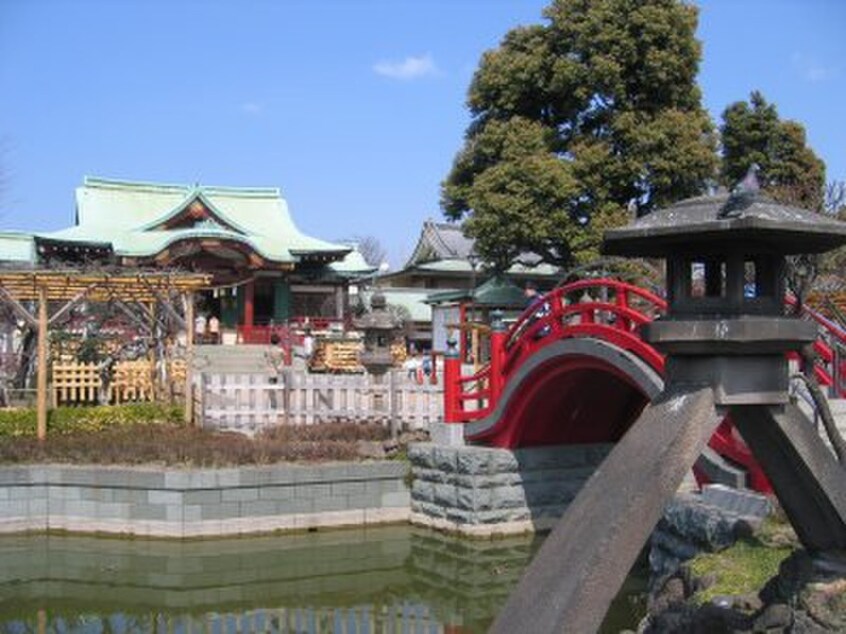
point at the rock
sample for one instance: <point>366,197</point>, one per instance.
<point>741,502</point>
<point>707,526</point>
<point>825,603</point>
<point>670,595</point>
<point>673,543</point>
<point>777,615</point>
<point>804,624</point>
<point>723,601</point>
<point>704,582</point>
<point>749,602</point>
<point>780,536</point>
<point>662,565</point>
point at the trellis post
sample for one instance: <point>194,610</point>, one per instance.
<point>41,402</point>
<point>189,355</point>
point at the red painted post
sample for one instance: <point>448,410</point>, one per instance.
<point>622,300</point>
<point>249,298</point>
<point>452,385</point>
<point>498,336</point>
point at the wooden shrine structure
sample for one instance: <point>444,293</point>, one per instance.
<point>30,293</point>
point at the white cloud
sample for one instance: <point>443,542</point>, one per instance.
<point>252,108</point>
<point>407,69</point>
<point>811,70</point>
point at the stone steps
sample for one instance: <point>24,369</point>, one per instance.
<point>241,359</point>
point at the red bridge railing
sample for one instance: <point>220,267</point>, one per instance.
<point>605,309</point>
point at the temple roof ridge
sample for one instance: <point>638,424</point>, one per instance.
<point>152,187</point>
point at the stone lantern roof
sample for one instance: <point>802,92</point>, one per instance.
<point>379,318</point>
<point>750,220</point>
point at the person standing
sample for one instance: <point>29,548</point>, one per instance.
<point>538,308</point>
<point>214,329</point>
<point>200,328</point>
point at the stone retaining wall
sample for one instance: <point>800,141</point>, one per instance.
<point>201,502</point>
<point>484,491</point>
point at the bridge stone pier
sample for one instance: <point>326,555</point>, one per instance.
<point>726,337</point>
<point>486,491</point>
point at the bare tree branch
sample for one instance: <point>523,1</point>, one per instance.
<point>373,252</point>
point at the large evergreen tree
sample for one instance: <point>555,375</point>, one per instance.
<point>790,171</point>
<point>577,119</point>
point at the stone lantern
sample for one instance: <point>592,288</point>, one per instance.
<point>725,335</point>
<point>380,329</point>
<point>726,323</point>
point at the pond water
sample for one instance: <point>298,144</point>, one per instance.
<point>391,579</point>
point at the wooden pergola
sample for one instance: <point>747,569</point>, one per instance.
<point>121,286</point>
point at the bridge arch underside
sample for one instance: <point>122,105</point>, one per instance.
<point>571,392</point>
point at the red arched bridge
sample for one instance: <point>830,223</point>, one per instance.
<point>573,369</point>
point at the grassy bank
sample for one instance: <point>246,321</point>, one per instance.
<point>153,434</point>
<point>746,566</point>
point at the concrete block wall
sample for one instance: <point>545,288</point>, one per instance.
<point>484,491</point>
<point>201,502</point>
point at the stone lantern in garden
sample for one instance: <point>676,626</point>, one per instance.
<point>381,329</point>
<point>725,334</point>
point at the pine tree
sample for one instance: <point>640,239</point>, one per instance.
<point>574,121</point>
<point>790,171</point>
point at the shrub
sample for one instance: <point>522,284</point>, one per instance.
<point>143,435</point>
<point>64,420</point>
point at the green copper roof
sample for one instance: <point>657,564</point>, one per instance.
<point>16,246</point>
<point>130,216</point>
<point>494,293</point>
<point>412,299</point>
<point>463,267</point>
<point>352,265</point>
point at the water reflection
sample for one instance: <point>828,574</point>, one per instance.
<point>378,580</point>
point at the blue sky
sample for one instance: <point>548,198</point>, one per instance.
<point>354,108</point>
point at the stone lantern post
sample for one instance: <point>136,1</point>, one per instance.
<point>725,335</point>
<point>381,329</point>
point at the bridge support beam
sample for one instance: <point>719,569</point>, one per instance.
<point>585,559</point>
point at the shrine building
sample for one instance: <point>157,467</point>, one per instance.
<point>264,270</point>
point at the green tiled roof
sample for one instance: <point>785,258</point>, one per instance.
<point>463,267</point>
<point>17,246</point>
<point>352,265</point>
<point>127,214</point>
<point>412,299</point>
<point>495,293</point>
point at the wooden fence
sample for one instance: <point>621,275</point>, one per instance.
<point>249,402</point>
<point>76,383</point>
<point>82,383</point>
